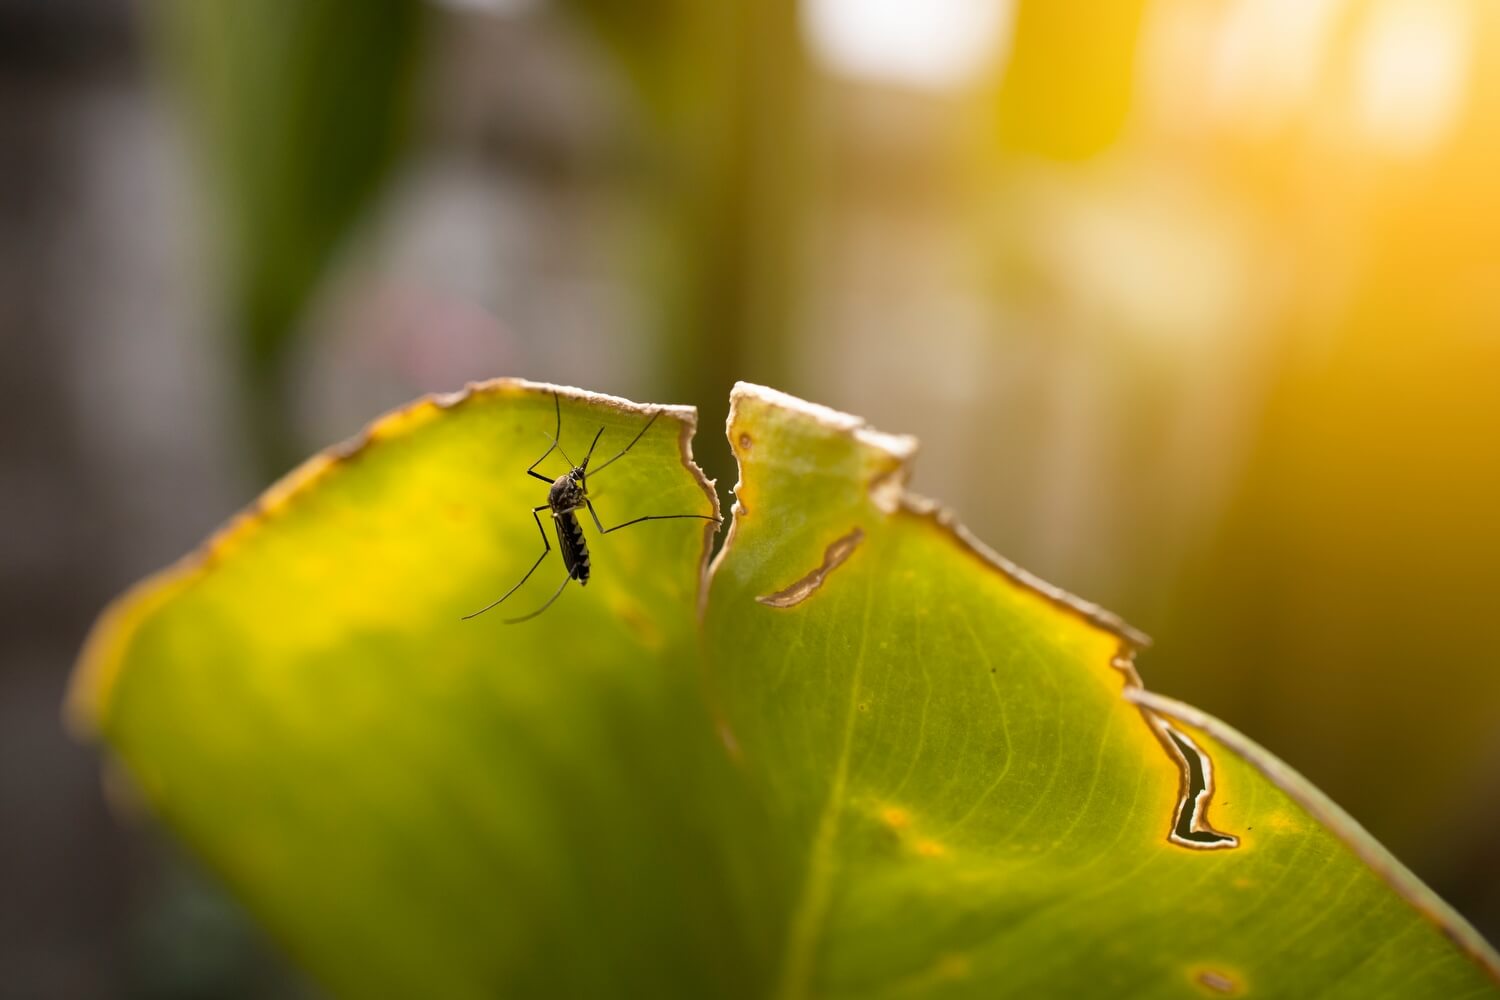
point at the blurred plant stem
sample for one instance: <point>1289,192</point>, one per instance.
<point>297,109</point>
<point>725,89</point>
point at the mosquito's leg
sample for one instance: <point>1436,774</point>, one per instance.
<point>546,547</point>
<point>638,435</point>
<point>664,517</point>
<point>531,469</point>
<point>556,437</point>
<point>555,594</point>
<point>649,517</point>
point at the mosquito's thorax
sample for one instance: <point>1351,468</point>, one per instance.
<point>567,491</point>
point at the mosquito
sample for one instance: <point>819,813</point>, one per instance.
<point>568,494</point>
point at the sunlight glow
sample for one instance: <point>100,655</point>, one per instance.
<point>927,44</point>
<point>1269,56</point>
<point>1411,72</point>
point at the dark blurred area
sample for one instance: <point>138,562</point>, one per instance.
<point>1194,304</point>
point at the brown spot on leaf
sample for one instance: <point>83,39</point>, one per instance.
<point>1218,983</point>
<point>895,817</point>
<point>731,744</point>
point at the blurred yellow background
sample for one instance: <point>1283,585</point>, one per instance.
<point>1194,304</point>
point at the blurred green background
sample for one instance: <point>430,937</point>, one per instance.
<point>1194,304</point>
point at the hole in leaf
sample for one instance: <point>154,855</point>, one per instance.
<point>1191,828</point>
<point>833,557</point>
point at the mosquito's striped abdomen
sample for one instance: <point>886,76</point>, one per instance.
<point>575,551</point>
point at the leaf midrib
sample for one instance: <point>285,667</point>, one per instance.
<point>807,921</point>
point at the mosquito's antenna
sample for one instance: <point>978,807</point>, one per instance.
<point>559,447</point>
<point>638,436</point>
<point>555,594</point>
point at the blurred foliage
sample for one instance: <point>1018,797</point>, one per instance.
<point>908,772</point>
<point>299,108</point>
<point>723,138</point>
<point>193,941</point>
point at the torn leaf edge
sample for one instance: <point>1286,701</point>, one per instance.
<point>889,493</point>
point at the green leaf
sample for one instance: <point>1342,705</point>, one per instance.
<point>882,763</point>
<point>423,806</point>
<point>983,800</point>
